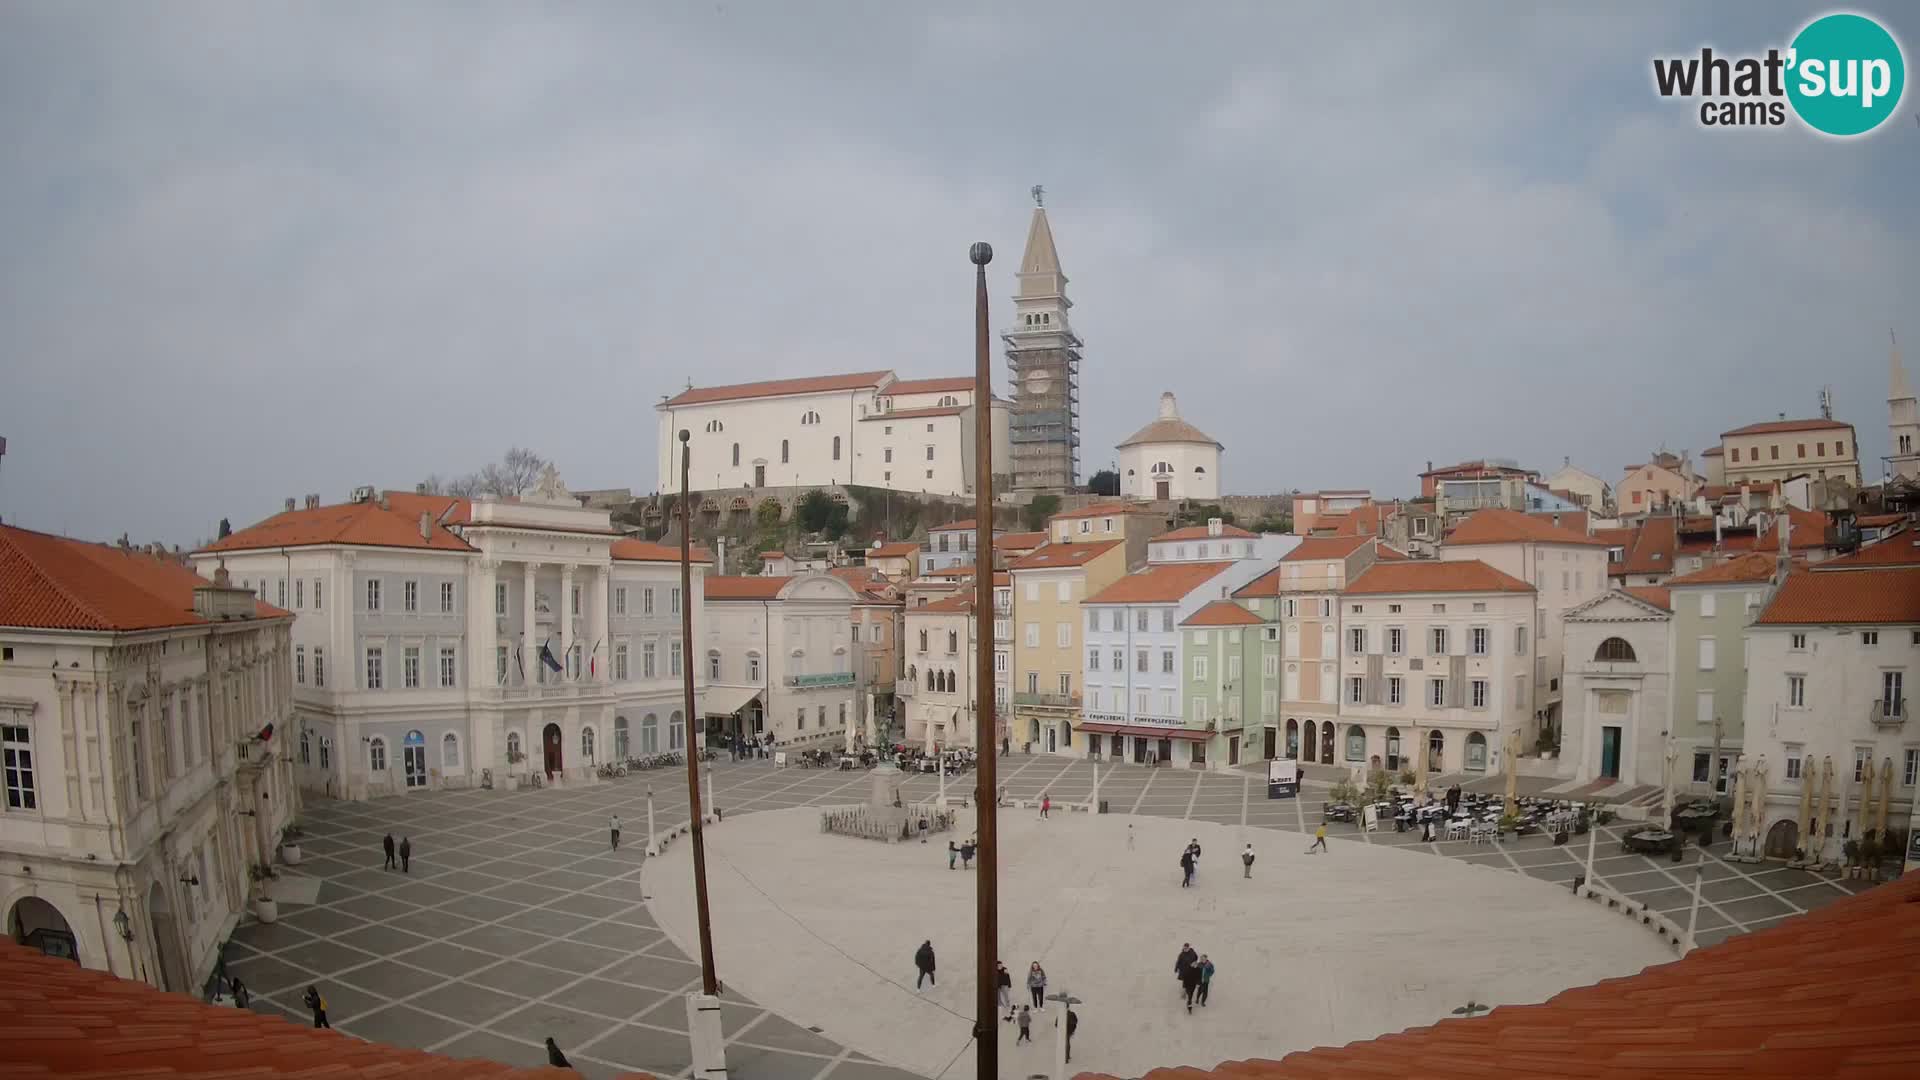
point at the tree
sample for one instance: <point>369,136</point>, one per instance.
<point>1040,509</point>
<point>769,514</point>
<point>513,474</point>
<point>815,511</point>
<point>1104,482</point>
<point>226,529</point>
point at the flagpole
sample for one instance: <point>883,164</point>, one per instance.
<point>986,1005</point>
<point>709,984</point>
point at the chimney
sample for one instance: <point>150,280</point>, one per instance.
<point>1214,526</point>
<point>719,555</point>
<point>426,525</point>
<point>1717,519</point>
<point>220,575</point>
<point>289,503</point>
<point>313,502</point>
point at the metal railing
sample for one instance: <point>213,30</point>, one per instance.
<point>1051,701</point>
<point>1889,714</point>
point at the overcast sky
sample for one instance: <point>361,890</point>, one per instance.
<point>253,250</point>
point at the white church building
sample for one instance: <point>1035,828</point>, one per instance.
<point>1170,459</point>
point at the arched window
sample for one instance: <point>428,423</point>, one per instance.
<point>715,426</point>
<point>586,744</point>
<point>1160,468</point>
<point>736,455</point>
<point>713,664</point>
<point>1393,748</point>
<point>1477,752</point>
<point>649,734</point>
<point>676,731</point>
<point>450,751</point>
<point>783,452</point>
<point>1293,738</point>
<point>619,738</point>
<point>377,754</point>
<point>1199,470</point>
<point>1615,649</point>
<point>836,448</point>
<point>1436,750</point>
<point>753,667</point>
<point>513,746</point>
<point>953,642</point>
<point>948,401</point>
<point>1356,743</point>
<point>305,749</point>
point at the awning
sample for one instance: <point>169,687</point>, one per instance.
<point>727,700</point>
<point>1145,731</point>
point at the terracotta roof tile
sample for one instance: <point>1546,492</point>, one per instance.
<point>1326,547</point>
<point>957,384</point>
<point>1158,583</point>
<point>1360,521</point>
<point>359,524</point>
<point>1712,451</point>
<point>630,550</point>
<point>52,583</point>
<point>959,603</point>
<point>1750,568</point>
<point>818,384</point>
<point>1020,541</point>
<point>446,509</point>
<point>1773,426</point>
<point>901,550</point>
<point>1390,554</point>
<point>1053,556</point>
<point>1807,529</point>
<point>1895,549</point>
<point>1431,576</point>
<point>1877,521</point>
<point>1267,584</point>
<point>725,587</point>
<point>1654,545</point>
<point>1222,613</point>
<point>1200,532</point>
<point>1497,526</point>
<point>1652,594</point>
<point>1867,597</point>
<point>966,525</point>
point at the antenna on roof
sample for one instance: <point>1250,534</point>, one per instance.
<point>1826,402</point>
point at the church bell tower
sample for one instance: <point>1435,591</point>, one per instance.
<point>1043,361</point>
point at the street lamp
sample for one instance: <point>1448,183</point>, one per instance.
<point>123,925</point>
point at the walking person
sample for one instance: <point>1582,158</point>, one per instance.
<point>1319,839</point>
<point>318,1004</point>
<point>241,995</point>
<point>1186,868</point>
<point>967,851</point>
<point>1073,1021</point>
<point>613,826</point>
<point>953,853</point>
<point>1246,862</point>
<point>1190,983</point>
<point>1037,985</point>
<point>406,854</point>
<point>387,843</point>
<point>1026,1026</point>
<point>1003,981</point>
<point>1193,846</point>
<point>554,1057</point>
<point>1185,960</point>
<point>923,960</point>
<point>1206,978</point>
<point>1046,805</point>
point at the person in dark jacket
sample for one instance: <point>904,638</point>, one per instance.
<point>1186,868</point>
<point>1206,977</point>
<point>1185,960</point>
<point>554,1057</point>
<point>1073,1021</point>
<point>923,960</point>
<point>388,845</point>
<point>406,854</point>
<point>318,1005</point>
<point>1003,979</point>
<point>241,995</point>
<point>1190,982</point>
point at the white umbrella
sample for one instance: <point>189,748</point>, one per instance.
<point>1886,796</point>
<point>1809,778</point>
<point>1836,803</point>
<point>1740,770</point>
<point>1866,801</point>
<point>1758,793</point>
<point>1672,774</point>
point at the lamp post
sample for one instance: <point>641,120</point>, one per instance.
<point>703,1008</point>
<point>986,1034</point>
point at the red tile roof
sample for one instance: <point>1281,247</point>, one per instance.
<point>966,525</point>
<point>52,583</point>
<point>1712,451</point>
<point>1101,509</point>
<point>630,550</point>
<point>1773,426</point>
<point>1478,467</point>
<point>1199,532</point>
<point>958,604</point>
<point>819,384</point>
<point>950,572</point>
<point>1497,526</point>
<point>1052,556</point>
<point>745,588</point>
<point>1876,521</point>
<point>1390,554</point>
<point>1652,594</point>
<point>1654,545</point>
<point>1867,597</point>
<point>1360,521</point>
<point>1751,568</point>
<point>1573,520</point>
<point>1828,994</point>
<point>1267,584</point>
<point>63,1020</point>
<point>1222,613</point>
<point>447,509</point>
<point>955,385</point>
<point>772,556</point>
<point>1895,549</point>
<point>1431,576</point>
<point>1159,583</point>
<point>904,549</point>
<point>1020,540</point>
<point>1326,547</point>
<point>1808,529</point>
<point>358,524</point>
<point>914,414</point>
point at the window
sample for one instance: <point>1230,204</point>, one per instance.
<point>648,666</point>
<point>1033,682</point>
<point>1773,452</point>
<point>1869,638</point>
<point>1862,764</point>
<point>676,731</point>
<point>586,743</point>
<point>783,452</point>
<point>620,600</point>
<point>1439,609</point>
<point>1911,771</point>
<point>1269,665</point>
<point>1703,709</point>
<point>500,598</point>
<point>1293,609</point>
<point>1199,667</point>
<point>1736,457</point>
<point>1031,631</point>
<point>1891,693</point>
<point>1702,761</point>
<point>713,665</point>
<point>16,742</point>
<point>1479,689</point>
<point>306,748</point>
<point>1437,692</point>
<point>373,594</point>
<point>1356,743</point>
<point>1477,752</point>
<point>1478,640</point>
<point>319,666</point>
<point>1706,654</point>
<point>446,597</point>
<point>375,673</point>
<point>1797,642</point>
<point>500,664</point>
<point>1438,637</point>
<point>448,668</point>
<point>1357,639</point>
<point>923,639</point>
<point>1093,659</point>
<point>1356,690</point>
<point>929,453</point>
<point>1706,605</point>
<point>1066,683</point>
<point>1063,592</point>
<point>410,667</point>
<point>1140,660</point>
<point>282,586</point>
<point>377,754</point>
<point>1093,620</point>
<point>410,596</point>
<point>573,601</point>
<point>450,750</point>
<point>1166,661</point>
<point>1118,621</point>
<point>300,665</point>
<point>1796,691</point>
<point>299,593</point>
<point>1615,650</point>
<point>1396,641</point>
<point>1063,634</point>
<point>673,605</point>
<point>1200,710</point>
<point>1794,757</point>
<point>1520,640</point>
<point>1326,609</point>
<point>1395,691</point>
<point>1140,620</point>
<point>736,455</point>
<point>1480,608</point>
<point>836,448</point>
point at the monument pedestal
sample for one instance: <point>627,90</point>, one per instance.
<point>708,1042</point>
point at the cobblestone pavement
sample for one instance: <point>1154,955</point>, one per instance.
<point>518,922</point>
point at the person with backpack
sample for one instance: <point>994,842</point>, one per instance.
<point>318,1004</point>
<point>923,960</point>
<point>1026,1026</point>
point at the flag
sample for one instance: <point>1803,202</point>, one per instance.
<point>518,664</point>
<point>546,656</point>
<point>593,660</point>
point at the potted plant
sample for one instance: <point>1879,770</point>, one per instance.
<point>264,907</point>
<point>1509,823</point>
<point>290,844</point>
<point>1851,852</point>
<point>1604,815</point>
<point>1870,855</point>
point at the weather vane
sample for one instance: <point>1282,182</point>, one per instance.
<point>1039,195</point>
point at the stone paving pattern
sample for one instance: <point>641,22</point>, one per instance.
<point>517,921</point>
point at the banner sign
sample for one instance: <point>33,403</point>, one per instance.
<point>1283,778</point>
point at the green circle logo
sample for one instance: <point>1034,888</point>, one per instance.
<point>1845,74</point>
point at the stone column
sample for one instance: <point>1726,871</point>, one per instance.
<point>483,627</point>
<point>529,666</point>
<point>565,615</point>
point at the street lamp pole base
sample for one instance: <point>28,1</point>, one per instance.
<point>708,1042</point>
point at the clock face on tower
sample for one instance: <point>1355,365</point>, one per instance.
<point>1038,383</point>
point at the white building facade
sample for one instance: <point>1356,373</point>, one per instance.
<point>1170,459</point>
<point>1619,674</point>
<point>779,659</point>
<point>941,676</point>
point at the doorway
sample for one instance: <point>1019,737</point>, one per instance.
<point>759,476</point>
<point>1166,751</point>
<point>1312,744</point>
<point>1093,745</point>
<point>37,924</point>
<point>1052,739</point>
<point>1233,749</point>
<point>1783,839</point>
<point>1271,737</point>
<point>413,758</point>
<point>1326,743</point>
<point>1610,752</point>
<point>1139,750</point>
<point>1162,490</point>
<point>1393,749</point>
<point>550,749</point>
<point>165,939</point>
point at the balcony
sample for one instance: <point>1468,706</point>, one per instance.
<point>1888,714</point>
<point>1047,701</point>
<point>906,687</point>
<point>815,682</point>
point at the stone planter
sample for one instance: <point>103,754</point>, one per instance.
<point>290,854</point>
<point>265,910</point>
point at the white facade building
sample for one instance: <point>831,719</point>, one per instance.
<point>939,683</point>
<point>145,720</point>
<point>1903,422</point>
<point>1619,676</point>
<point>1170,459</point>
<point>779,658</point>
<point>421,627</point>
<point>868,428</point>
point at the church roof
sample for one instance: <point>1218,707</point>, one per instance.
<point>1168,427</point>
<point>818,384</point>
<point>1041,257</point>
